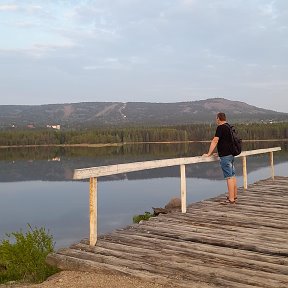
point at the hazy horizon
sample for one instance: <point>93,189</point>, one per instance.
<point>162,51</point>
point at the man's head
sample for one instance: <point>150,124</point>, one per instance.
<point>221,117</point>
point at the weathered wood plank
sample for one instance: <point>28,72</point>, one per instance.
<point>66,262</point>
<point>245,178</point>
<point>226,222</point>
<point>276,212</point>
<point>93,210</point>
<point>237,246</point>
<point>270,248</point>
<point>183,189</point>
<point>160,244</point>
<point>171,266</point>
<point>186,256</point>
<point>225,230</point>
<point>86,173</point>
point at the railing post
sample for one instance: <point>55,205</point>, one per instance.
<point>272,165</point>
<point>183,189</point>
<point>93,211</point>
<point>245,181</point>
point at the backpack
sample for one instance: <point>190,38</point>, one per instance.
<point>236,141</point>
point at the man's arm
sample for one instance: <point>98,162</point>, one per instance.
<point>213,145</point>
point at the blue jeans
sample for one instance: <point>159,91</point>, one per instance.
<point>227,166</point>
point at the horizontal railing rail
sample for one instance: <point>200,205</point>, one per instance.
<point>100,171</point>
<point>93,173</point>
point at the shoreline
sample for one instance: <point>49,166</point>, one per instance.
<point>101,145</point>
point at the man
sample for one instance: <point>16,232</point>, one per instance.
<point>223,141</point>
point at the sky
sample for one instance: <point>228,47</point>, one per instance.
<point>61,51</point>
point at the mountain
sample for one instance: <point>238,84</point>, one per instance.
<point>77,115</point>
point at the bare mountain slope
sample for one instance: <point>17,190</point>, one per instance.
<point>117,113</point>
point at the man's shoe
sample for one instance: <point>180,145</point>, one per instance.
<point>227,202</point>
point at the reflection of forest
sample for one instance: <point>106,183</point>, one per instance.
<point>57,164</point>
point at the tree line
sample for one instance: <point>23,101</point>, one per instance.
<point>193,132</point>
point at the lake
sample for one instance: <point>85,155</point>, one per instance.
<point>36,185</point>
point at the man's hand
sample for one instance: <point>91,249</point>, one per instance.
<point>208,155</point>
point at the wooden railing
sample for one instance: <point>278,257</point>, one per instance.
<point>93,173</point>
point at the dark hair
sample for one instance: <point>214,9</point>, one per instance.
<point>221,116</point>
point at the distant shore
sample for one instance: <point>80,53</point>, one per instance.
<point>127,143</point>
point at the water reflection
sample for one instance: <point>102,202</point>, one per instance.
<point>58,164</point>
<point>36,185</point>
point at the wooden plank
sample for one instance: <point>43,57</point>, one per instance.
<point>93,210</point>
<point>237,246</point>
<point>137,166</point>
<point>183,189</point>
<point>267,248</point>
<point>165,245</point>
<point>249,207</point>
<point>246,209</point>
<point>248,235</point>
<point>189,258</point>
<point>66,262</point>
<point>226,221</point>
<point>217,226</point>
<point>182,255</point>
<point>166,235</point>
<point>182,270</point>
<point>100,171</point>
<point>272,165</point>
<point>245,179</point>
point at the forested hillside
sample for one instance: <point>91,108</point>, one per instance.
<point>195,132</point>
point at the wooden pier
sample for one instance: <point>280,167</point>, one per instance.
<point>237,245</point>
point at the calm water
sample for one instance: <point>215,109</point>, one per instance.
<point>36,185</point>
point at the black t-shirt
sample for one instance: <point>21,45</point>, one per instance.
<point>225,140</point>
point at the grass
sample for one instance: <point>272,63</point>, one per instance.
<point>138,218</point>
<point>22,256</point>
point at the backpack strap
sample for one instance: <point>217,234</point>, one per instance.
<point>228,125</point>
<point>230,128</point>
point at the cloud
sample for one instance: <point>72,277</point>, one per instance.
<point>38,51</point>
<point>24,24</point>
<point>20,8</point>
<point>269,10</point>
<point>188,3</point>
<point>215,57</point>
<point>8,7</point>
<point>208,46</point>
<point>113,64</point>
